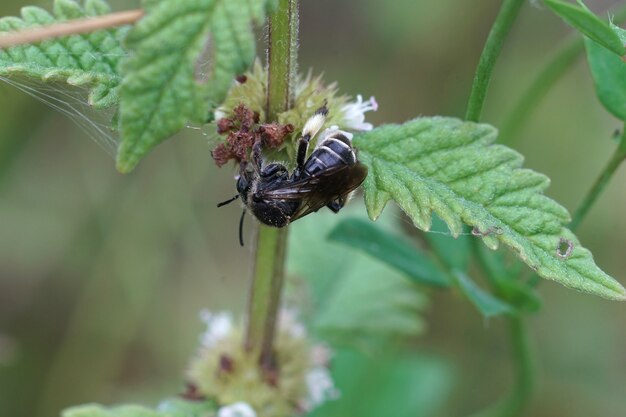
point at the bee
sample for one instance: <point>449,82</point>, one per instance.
<point>327,178</point>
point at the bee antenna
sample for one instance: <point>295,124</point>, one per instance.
<point>243,213</point>
<point>230,200</point>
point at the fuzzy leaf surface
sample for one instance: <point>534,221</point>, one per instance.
<point>609,78</point>
<point>454,169</point>
<point>168,80</point>
<point>587,23</point>
<point>89,60</point>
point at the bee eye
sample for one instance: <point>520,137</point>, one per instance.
<point>242,185</point>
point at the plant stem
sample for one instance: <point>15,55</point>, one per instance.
<point>514,403</point>
<point>543,81</point>
<point>611,167</point>
<point>282,57</point>
<point>271,242</point>
<point>506,16</point>
<point>71,27</point>
<point>266,290</point>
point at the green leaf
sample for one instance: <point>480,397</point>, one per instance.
<point>505,277</point>
<point>453,168</point>
<point>590,25</point>
<point>609,77</point>
<point>487,304</point>
<point>621,33</point>
<point>390,383</point>
<point>172,407</point>
<point>89,60</point>
<point>179,407</point>
<point>357,300</point>
<point>389,248</point>
<point>166,79</point>
<point>95,410</point>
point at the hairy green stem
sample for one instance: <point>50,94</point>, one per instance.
<point>266,290</point>
<point>611,167</point>
<point>506,16</point>
<point>282,54</point>
<point>543,81</point>
<point>269,263</point>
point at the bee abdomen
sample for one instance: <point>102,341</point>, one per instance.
<point>332,152</point>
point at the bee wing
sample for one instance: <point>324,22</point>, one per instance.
<point>317,191</point>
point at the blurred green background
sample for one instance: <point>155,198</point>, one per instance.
<point>102,276</point>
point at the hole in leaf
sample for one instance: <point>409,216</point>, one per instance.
<point>564,248</point>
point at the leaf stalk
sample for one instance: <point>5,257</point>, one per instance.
<point>601,182</point>
<point>72,27</point>
<point>493,46</point>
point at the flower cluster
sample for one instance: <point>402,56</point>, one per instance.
<point>225,372</point>
<point>243,131</point>
<point>238,117</point>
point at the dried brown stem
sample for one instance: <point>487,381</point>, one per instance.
<point>72,27</point>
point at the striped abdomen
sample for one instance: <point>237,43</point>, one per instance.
<point>332,152</point>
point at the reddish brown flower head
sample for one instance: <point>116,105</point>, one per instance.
<point>244,116</point>
<point>225,125</point>
<point>191,393</point>
<point>227,364</point>
<point>273,135</point>
<point>240,143</point>
<point>244,131</point>
<point>222,154</point>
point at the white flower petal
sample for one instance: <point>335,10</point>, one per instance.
<point>354,113</point>
<point>321,355</point>
<point>288,322</point>
<point>219,325</point>
<point>320,387</point>
<point>240,409</point>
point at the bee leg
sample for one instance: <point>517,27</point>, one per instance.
<point>257,157</point>
<point>303,146</point>
<point>337,204</point>
<point>274,170</point>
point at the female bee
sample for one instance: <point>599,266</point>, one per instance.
<point>331,173</point>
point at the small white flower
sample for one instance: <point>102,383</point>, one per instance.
<point>320,388</point>
<point>218,326</point>
<point>288,322</point>
<point>321,355</point>
<point>239,409</point>
<point>219,114</point>
<point>354,113</point>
